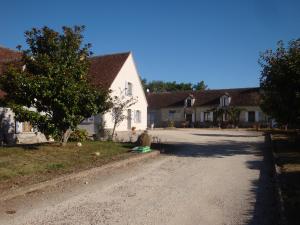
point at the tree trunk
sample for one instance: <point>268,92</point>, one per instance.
<point>113,132</point>
<point>65,137</point>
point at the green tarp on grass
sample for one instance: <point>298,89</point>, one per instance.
<point>142,149</point>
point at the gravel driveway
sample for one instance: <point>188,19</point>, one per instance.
<point>205,177</point>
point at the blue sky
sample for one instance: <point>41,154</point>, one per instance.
<point>215,41</point>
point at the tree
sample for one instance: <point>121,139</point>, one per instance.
<point>200,86</point>
<point>54,82</point>
<point>162,86</point>
<point>119,107</point>
<point>280,83</point>
<point>144,83</point>
<point>233,115</point>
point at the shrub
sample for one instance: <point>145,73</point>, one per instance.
<point>170,123</point>
<point>144,139</point>
<point>79,135</point>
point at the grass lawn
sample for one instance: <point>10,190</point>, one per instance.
<point>29,164</point>
<point>287,149</point>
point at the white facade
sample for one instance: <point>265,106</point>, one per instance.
<point>127,84</point>
<point>119,87</point>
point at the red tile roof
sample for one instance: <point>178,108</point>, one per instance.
<point>7,56</point>
<point>104,69</point>
<point>239,97</point>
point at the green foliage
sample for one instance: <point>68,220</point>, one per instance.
<point>162,86</point>
<point>54,82</point>
<point>233,115</point>
<point>280,83</point>
<point>171,123</point>
<point>200,86</point>
<point>79,135</point>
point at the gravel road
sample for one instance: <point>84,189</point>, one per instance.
<point>206,177</point>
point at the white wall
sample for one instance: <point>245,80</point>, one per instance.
<point>8,120</point>
<point>128,73</point>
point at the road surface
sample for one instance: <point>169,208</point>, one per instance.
<point>205,177</point>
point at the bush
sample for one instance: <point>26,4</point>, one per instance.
<point>144,139</point>
<point>79,135</point>
<point>170,123</point>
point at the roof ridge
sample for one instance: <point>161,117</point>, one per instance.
<point>231,89</point>
<point>9,49</point>
<point>208,90</point>
<point>111,54</point>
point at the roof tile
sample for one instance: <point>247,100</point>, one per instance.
<point>239,97</point>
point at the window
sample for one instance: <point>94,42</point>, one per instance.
<point>128,89</point>
<point>251,116</point>
<point>207,116</point>
<point>225,100</point>
<point>152,117</point>
<point>137,116</point>
<point>172,114</point>
<point>189,102</point>
<point>88,120</point>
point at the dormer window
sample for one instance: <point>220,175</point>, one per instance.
<point>189,101</point>
<point>225,100</point>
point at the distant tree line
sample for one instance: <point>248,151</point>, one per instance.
<point>163,86</point>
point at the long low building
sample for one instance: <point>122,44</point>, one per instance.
<point>199,108</point>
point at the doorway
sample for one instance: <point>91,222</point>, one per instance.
<point>189,118</point>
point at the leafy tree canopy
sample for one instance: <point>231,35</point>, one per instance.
<point>54,82</point>
<point>163,86</point>
<point>280,82</point>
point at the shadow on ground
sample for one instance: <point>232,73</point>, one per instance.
<point>265,206</point>
<point>265,210</point>
<point>227,135</point>
<point>209,149</point>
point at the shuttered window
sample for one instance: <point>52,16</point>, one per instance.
<point>137,116</point>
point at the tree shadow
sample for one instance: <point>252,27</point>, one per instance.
<point>34,146</point>
<point>265,210</point>
<point>209,149</point>
<point>227,135</point>
<point>264,204</point>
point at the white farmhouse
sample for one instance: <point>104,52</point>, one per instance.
<point>116,72</point>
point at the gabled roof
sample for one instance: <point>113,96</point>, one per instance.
<point>102,72</point>
<point>210,98</point>
<point>104,69</point>
<point>8,56</point>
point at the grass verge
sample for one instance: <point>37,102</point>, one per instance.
<point>29,164</point>
<point>286,146</point>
